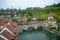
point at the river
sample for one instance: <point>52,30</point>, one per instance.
<point>37,35</point>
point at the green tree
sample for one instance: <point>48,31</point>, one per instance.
<point>29,18</point>
<point>50,25</point>
<point>29,11</point>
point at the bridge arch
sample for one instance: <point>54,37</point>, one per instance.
<point>39,27</point>
<point>30,29</point>
<point>32,26</point>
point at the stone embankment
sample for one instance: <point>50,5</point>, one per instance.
<point>51,31</point>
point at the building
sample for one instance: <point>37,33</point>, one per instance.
<point>50,16</point>
<point>51,20</point>
<point>8,31</point>
<point>22,19</point>
<point>34,18</point>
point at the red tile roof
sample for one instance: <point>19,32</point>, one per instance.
<point>1,38</point>
<point>21,19</point>
<point>13,28</point>
<point>14,24</point>
<point>6,20</point>
<point>8,35</point>
<point>50,14</point>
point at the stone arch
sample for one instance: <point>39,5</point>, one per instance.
<point>25,27</point>
<point>30,29</point>
<point>39,27</point>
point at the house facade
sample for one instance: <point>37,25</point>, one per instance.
<point>34,18</point>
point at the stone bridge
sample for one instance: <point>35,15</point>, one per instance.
<point>34,26</point>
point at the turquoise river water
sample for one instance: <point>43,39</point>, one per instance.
<point>40,34</point>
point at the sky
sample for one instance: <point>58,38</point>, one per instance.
<point>22,4</point>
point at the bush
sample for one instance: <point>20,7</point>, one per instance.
<point>29,18</point>
<point>14,20</point>
<point>58,26</point>
<point>40,19</point>
<point>50,25</point>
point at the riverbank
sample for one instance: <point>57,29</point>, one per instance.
<point>47,29</point>
<point>51,31</point>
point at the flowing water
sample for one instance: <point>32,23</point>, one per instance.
<point>37,35</point>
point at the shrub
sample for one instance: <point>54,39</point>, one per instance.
<point>40,19</point>
<point>14,20</point>
<point>50,25</point>
<point>29,18</point>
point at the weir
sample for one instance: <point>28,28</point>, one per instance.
<point>34,26</point>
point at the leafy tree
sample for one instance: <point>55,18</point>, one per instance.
<point>29,11</point>
<point>50,25</point>
<point>14,20</point>
<point>29,18</point>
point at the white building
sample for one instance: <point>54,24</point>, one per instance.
<point>34,18</point>
<point>50,16</point>
<point>51,20</point>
